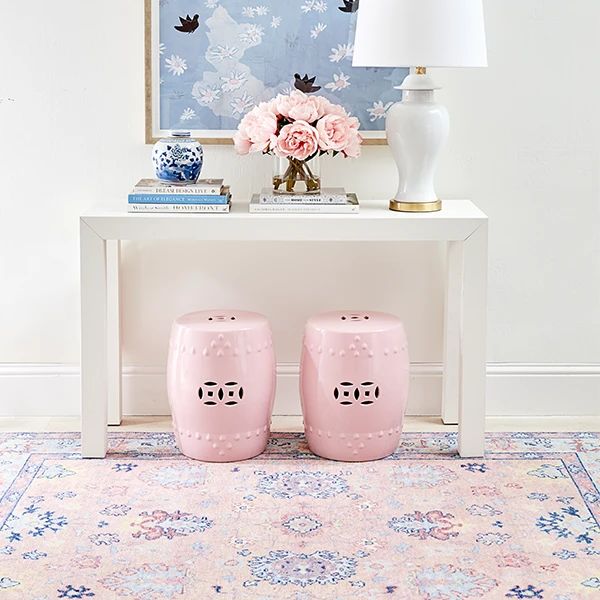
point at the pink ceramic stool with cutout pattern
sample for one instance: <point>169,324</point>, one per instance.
<point>354,384</point>
<point>221,384</point>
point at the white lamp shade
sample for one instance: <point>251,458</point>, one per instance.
<point>425,33</point>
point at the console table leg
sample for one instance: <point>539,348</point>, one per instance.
<point>471,413</point>
<point>93,343</point>
<point>113,331</point>
<point>452,325</point>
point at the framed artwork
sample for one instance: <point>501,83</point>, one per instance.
<point>208,62</point>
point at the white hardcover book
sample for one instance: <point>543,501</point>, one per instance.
<point>326,196</point>
<point>179,208</point>
<point>202,187</point>
<point>351,206</point>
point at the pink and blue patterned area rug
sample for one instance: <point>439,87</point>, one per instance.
<point>149,524</point>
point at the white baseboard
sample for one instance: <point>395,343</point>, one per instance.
<point>512,389</point>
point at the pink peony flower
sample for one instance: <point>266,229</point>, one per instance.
<point>336,132</point>
<point>352,150</point>
<point>285,102</point>
<point>271,106</point>
<point>323,105</point>
<point>297,140</point>
<point>312,123</point>
<point>241,143</point>
<point>304,111</point>
<point>256,131</point>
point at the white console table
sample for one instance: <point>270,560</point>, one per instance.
<point>460,223</point>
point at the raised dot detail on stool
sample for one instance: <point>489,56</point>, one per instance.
<point>265,428</point>
<point>208,437</point>
<point>182,349</point>
<point>310,428</point>
<point>352,347</point>
<point>331,352</point>
<point>357,353</point>
<point>380,434</point>
<point>371,354</point>
<point>221,452</point>
<point>319,350</point>
<point>219,352</point>
<point>397,429</point>
<point>213,344</point>
<point>390,432</point>
<point>193,350</point>
<point>361,445</point>
<point>386,351</point>
<point>237,436</point>
<point>395,350</point>
<point>229,445</point>
<point>221,438</point>
<point>220,337</point>
<point>197,435</point>
<point>248,349</point>
<point>227,345</point>
<point>319,432</point>
<point>248,435</point>
<point>354,451</point>
<point>356,436</point>
<point>205,352</point>
<point>364,346</point>
<point>342,353</point>
<point>357,338</point>
<point>349,444</point>
<point>343,436</point>
<point>370,436</point>
<point>215,445</point>
<point>329,434</point>
<point>257,432</point>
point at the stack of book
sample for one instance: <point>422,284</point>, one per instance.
<point>329,200</point>
<point>204,196</point>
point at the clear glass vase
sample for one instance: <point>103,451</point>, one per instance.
<point>293,176</point>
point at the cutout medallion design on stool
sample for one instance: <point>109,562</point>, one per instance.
<point>221,384</point>
<point>354,384</point>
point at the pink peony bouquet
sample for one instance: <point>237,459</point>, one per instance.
<point>298,127</point>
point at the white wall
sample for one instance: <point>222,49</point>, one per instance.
<point>525,146</point>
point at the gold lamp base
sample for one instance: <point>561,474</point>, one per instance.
<point>400,206</point>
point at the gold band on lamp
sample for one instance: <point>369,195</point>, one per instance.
<point>420,70</point>
<point>400,206</point>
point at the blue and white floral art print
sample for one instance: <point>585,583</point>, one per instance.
<point>213,60</point>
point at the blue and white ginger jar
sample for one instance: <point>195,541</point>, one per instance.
<point>177,159</point>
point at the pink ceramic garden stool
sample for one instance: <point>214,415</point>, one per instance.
<point>221,384</point>
<point>354,384</point>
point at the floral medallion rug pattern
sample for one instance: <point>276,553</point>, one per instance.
<point>147,523</point>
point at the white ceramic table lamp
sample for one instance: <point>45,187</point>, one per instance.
<point>418,34</point>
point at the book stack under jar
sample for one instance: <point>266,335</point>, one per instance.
<point>327,200</point>
<point>203,196</point>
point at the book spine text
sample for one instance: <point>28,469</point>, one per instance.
<point>179,208</point>
<point>179,190</point>
<point>176,199</point>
